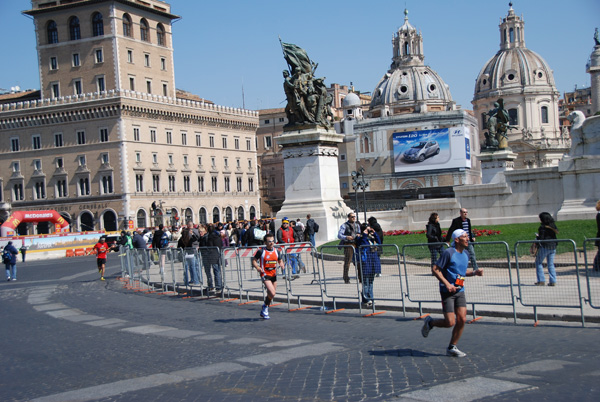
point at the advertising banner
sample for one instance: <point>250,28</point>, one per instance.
<point>443,148</point>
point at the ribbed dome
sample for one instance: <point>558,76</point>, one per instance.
<point>513,69</point>
<point>411,85</point>
<point>351,100</point>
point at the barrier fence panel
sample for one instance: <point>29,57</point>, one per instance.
<point>385,285</point>
<point>591,252</point>
<point>307,282</point>
<point>249,278</point>
<point>230,273</point>
<point>173,258</point>
<point>333,259</point>
<point>213,271</point>
<point>178,268</point>
<point>421,285</point>
<point>535,280</point>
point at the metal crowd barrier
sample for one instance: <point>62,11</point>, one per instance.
<point>567,290</point>
<point>307,282</point>
<point>332,268</point>
<point>421,285</point>
<point>591,253</point>
<point>249,278</point>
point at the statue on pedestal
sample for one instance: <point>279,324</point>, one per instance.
<point>496,137</point>
<point>308,103</point>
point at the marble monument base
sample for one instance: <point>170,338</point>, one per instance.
<point>494,164</point>
<point>581,187</point>
<point>312,184</point>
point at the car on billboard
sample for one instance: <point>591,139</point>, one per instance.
<point>421,151</point>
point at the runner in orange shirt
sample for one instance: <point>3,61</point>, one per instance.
<point>265,261</point>
<point>101,249</point>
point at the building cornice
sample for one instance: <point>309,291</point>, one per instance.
<point>75,4</point>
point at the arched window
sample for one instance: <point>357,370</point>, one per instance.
<point>141,218</point>
<point>406,49</point>
<point>511,33</point>
<point>252,212</point>
<point>144,30</point>
<point>216,215</point>
<point>228,214</point>
<point>74,29</point>
<point>544,114</point>
<point>97,25</point>
<point>127,26</point>
<point>160,34</point>
<point>241,213</point>
<point>52,32</point>
<point>202,216</point>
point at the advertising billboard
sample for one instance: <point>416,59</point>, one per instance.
<point>442,148</point>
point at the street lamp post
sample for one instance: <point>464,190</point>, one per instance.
<point>359,181</point>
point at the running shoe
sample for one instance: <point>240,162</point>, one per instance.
<point>454,352</point>
<point>101,278</point>
<point>426,326</point>
<point>264,312</point>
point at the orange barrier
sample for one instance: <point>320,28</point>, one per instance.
<point>70,253</point>
<point>79,252</point>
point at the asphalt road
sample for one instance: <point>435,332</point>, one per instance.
<point>67,336</point>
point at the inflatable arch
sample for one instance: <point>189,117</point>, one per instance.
<point>9,227</point>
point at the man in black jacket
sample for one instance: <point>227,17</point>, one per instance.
<point>347,234</point>
<point>464,223</point>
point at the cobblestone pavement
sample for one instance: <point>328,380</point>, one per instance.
<point>68,336</point>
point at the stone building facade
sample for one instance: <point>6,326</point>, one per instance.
<point>110,143</point>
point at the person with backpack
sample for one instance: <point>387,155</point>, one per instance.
<point>9,258</point>
<point>160,241</point>
<point>312,227</point>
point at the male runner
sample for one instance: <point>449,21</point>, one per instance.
<point>265,261</point>
<point>101,249</point>
<point>450,270</point>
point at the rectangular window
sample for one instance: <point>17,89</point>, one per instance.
<point>237,163</point>
<point>236,143</point>
<point>213,161</point>
<point>249,163</point>
<point>53,63</point>
<point>146,60</point>
<point>75,60</point>
<point>107,184</point>
<point>227,188</point>
<point>77,90</point>
<point>37,165</point>
<point>170,159</point>
<point>55,89</point>
<point>136,134</point>
<point>155,183</point>
<point>82,161</point>
<point>248,144</point>
<point>129,56</point>
<point>250,184</point>
<point>152,135</point>
<point>544,114</point>
<point>149,87</point>
<point>81,137</point>
<point>14,144</point>
<point>211,141</point>
<point>84,186</point>
<point>267,121</point>
<point>200,183</point>
<point>281,119</point>
<point>99,56</point>
<point>224,140</point>
<point>131,84</point>
<point>18,192</point>
<point>61,189</point>
<point>183,138</point>
<point>165,90</point>
<point>104,135</point>
<point>104,158</point>
<point>100,84</point>
<point>39,190</point>
<point>199,161</point>
<point>138,157</point>
<point>60,163</point>
<point>185,160</point>
<point>139,183</point>
<point>58,140</point>
<point>214,184</point>
<point>186,184</point>
<point>36,142</point>
<point>239,184</point>
<point>268,142</point>
<point>163,63</point>
<point>169,137</point>
<point>226,162</point>
<point>172,183</point>
<point>155,158</point>
<point>198,140</point>
<point>16,167</point>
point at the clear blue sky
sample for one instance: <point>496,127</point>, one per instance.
<point>222,45</point>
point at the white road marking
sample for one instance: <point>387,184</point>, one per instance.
<point>50,306</point>
<point>147,329</point>
<point>64,313</point>
<point>541,366</point>
<point>281,356</point>
<point>105,322</point>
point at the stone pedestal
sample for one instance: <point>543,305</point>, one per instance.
<point>581,187</point>
<point>312,184</point>
<point>494,164</point>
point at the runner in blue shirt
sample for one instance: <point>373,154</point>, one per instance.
<point>451,269</point>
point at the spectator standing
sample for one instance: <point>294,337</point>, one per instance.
<point>450,270</point>
<point>160,242</point>
<point>546,250</point>
<point>298,238</point>
<point>9,258</point>
<point>138,241</point>
<point>464,223</point>
<point>434,235</point>
<point>23,250</point>
<point>188,241</point>
<point>213,268</point>
<point>300,226</point>
<point>285,234</point>
<point>369,258</point>
<point>597,258</point>
<point>347,234</point>
<point>265,261</point>
<point>311,228</point>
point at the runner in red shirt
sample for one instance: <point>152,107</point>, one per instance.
<point>101,249</point>
<point>265,261</point>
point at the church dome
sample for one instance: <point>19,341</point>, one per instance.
<point>514,68</point>
<point>410,85</point>
<point>351,100</point>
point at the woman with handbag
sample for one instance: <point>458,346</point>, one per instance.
<point>546,250</point>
